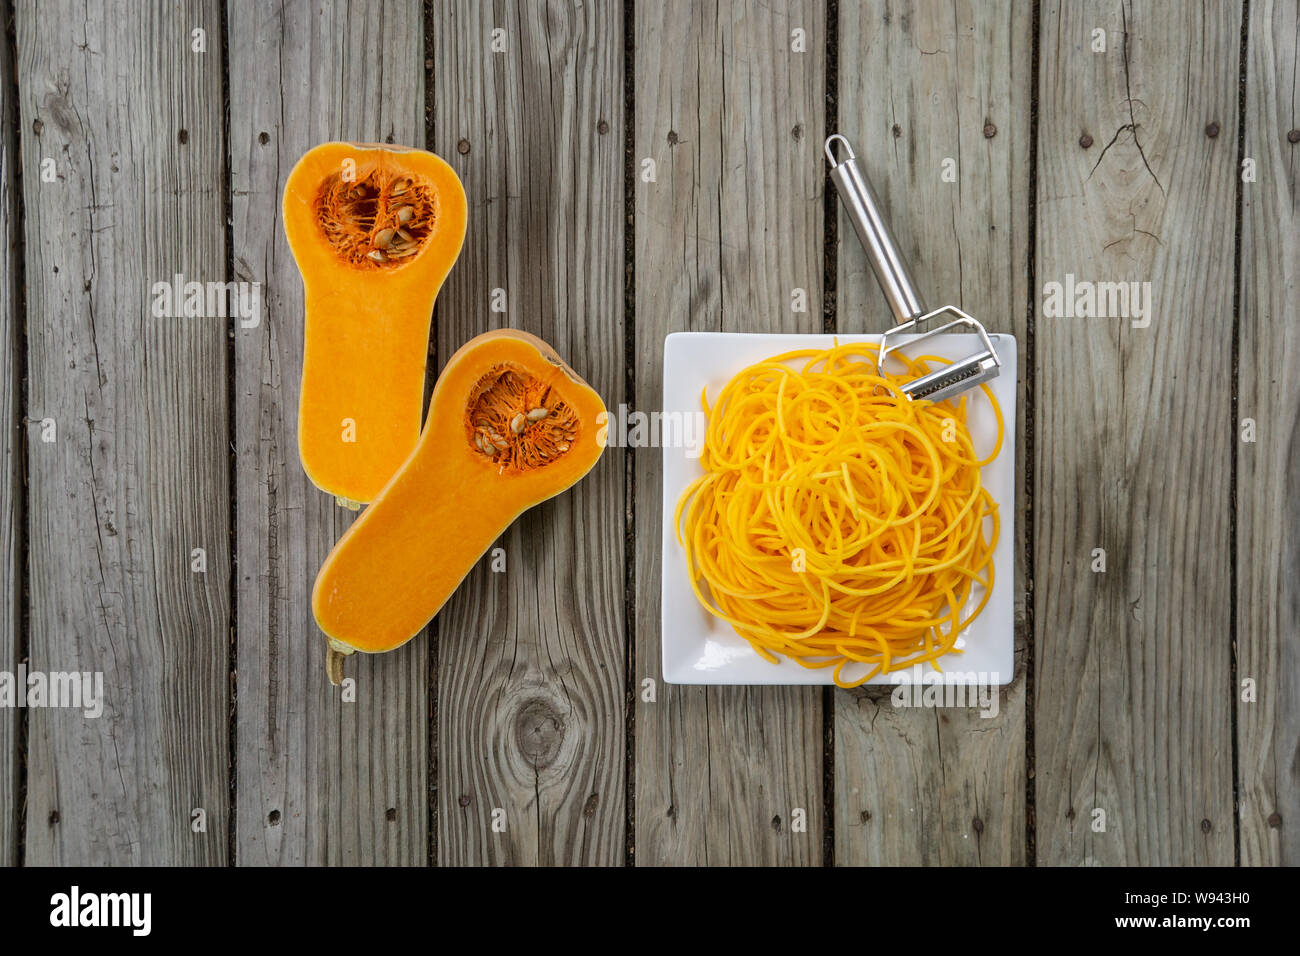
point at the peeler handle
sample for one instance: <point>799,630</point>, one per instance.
<point>864,209</point>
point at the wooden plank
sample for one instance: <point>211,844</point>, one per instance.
<point>531,661</point>
<point>734,121</point>
<point>320,780</point>
<point>929,786</point>
<point>11,449</point>
<point>1268,476</point>
<point>131,119</point>
<point>1133,436</point>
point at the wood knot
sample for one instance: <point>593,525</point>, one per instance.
<point>464,800</point>
<point>602,127</point>
<point>273,818</point>
<point>60,110</point>
<point>463,147</point>
<point>539,732</point>
<point>1085,141</point>
<point>1212,130</point>
<point>1275,819</point>
<point>54,817</point>
<point>589,808</point>
<point>978,825</point>
<point>898,131</point>
<point>1206,827</point>
<point>37,127</point>
<point>1293,136</point>
<point>990,131</point>
<point>182,136</point>
<point>390,814</point>
<point>672,137</point>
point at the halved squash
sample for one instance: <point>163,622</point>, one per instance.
<point>374,229</point>
<point>509,425</point>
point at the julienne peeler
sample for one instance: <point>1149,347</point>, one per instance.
<point>899,288</point>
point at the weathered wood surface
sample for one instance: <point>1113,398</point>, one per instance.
<point>928,84</point>
<point>734,120</point>
<point>1268,476</point>
<point>11,450</point>
<point>132,121</point>
<point>1135,431</point>
<point>531,660</point>
<point>320,780</point>
<point>1134,438</point>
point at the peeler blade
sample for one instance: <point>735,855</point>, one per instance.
<point>947,381</point>
<point>953,379</point>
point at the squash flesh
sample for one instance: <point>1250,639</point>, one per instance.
<point>397,565</point>
<point>366,325</point>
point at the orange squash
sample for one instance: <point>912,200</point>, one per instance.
<point>374,229</point>
<point>509,425</point>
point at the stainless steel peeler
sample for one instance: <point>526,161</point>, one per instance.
<point>899,288</point>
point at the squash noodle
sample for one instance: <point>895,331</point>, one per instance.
<point>837,522</point>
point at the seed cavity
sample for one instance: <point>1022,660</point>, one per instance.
<point>362,217</point>
<point>517,420</point>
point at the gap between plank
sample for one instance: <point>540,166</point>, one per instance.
<point>232,660</point>
<point>830,323</point>
<point>21,587</point>
<point>629,460</point>
<point>430,378</point>
<point>1031,383</point>
<point>1242,68</point>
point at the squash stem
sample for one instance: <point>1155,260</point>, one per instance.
<point>334,656</point>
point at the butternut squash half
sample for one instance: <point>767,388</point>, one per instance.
<point>374,229</point>
<point>509,425</point>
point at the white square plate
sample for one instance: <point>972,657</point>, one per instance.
<point>700,649</point>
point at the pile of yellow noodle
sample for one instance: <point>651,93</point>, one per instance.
<point>837,522</point>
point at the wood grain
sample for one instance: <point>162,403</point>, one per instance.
<point>11,449</point>
<point>734,121</point>
<point>921,84</point>
<point>1134,430</point>
<point>132,121</point>
<point>1133,434</point>
<point>1268,475</point>
<point>531,660</point>
<point>320,780</point>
